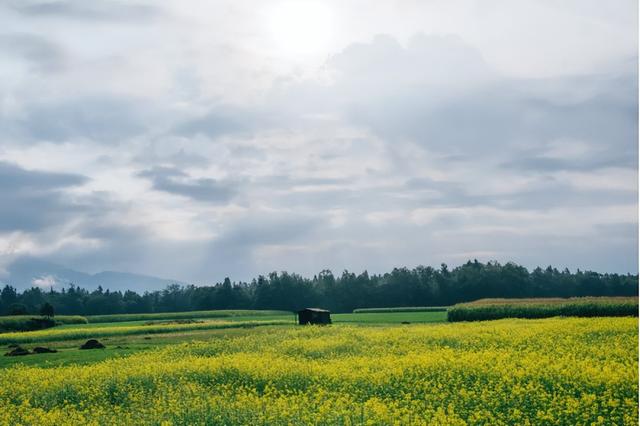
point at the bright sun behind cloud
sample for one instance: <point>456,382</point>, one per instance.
<point>301,27</point>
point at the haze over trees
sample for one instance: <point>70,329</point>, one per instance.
<point>420,286</point>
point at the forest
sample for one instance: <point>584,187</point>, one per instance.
<point>420,286</point>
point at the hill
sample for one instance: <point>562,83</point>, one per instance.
<point>27,272</point>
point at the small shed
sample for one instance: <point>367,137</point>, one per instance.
<point>314,316</point>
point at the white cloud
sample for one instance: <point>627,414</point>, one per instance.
<point>46,281</point>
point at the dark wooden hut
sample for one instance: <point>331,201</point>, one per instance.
<point>314,316</point>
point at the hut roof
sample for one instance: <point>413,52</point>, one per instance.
<point>313,310</point>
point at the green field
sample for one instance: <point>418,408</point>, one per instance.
<point>492,309</point>
<point>390,317</point>
<point>366,368</point>
<point>401,309</point>
<point>231,313</point>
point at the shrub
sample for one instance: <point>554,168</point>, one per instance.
<point>30,323</point>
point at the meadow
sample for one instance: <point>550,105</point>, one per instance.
<point>401,309</point>
<point>356,371</point>
<point>223,313</point>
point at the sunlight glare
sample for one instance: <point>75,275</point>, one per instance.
<point>301,27</point>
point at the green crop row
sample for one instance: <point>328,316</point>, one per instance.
<point>540,308</point>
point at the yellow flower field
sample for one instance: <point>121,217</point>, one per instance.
<point>571,371</point>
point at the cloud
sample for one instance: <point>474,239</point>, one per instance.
<point>16,179</point>
<point>43,55</point>
<point>438,92</point>
<point>33,200</point>
<point>201,150</point>
<point>77,9</point>
<point>241,246</point>
<point>541,194</point>
<point>45,281</point>
<point>214,124</point>
<point>174,181</point>
<point>103,119</point>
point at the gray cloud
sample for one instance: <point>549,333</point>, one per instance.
<point>43,55</point>
<point>176,182</point>
<point>438,92</point>
<point>35,200</point>
<point>78,9</point>
<point>215,124</point>
<point>546,164</point>
<point>236,250</point>
<point>179,159</point>
<point>100,119</point>
<point>15,178</point>
<point>542,194</point>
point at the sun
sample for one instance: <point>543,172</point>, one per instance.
<point>301,27</point>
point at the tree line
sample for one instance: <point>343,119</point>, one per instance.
<point>420,286</point>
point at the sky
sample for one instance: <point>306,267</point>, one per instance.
<point>201,140</point>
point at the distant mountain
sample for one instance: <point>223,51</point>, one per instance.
<point>27,272</point>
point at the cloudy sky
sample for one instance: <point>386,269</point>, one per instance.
<point>204,139</point>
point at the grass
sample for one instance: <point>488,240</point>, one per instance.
<point>34,322</point>
<point>117,346</point>
<point>390,317</point>
<point>183,315</point>
<point>401,309</point>
<point>491,309</point>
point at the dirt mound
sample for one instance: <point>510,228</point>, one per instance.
<point>43,350</point>
<point>92,344</point>
<point>18,351</point>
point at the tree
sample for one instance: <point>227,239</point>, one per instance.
<point>47,310</point>
<point>420,286</point>
<point>8,296</point>
<point>17,309</point>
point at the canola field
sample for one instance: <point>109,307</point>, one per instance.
<point>559,371</point>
